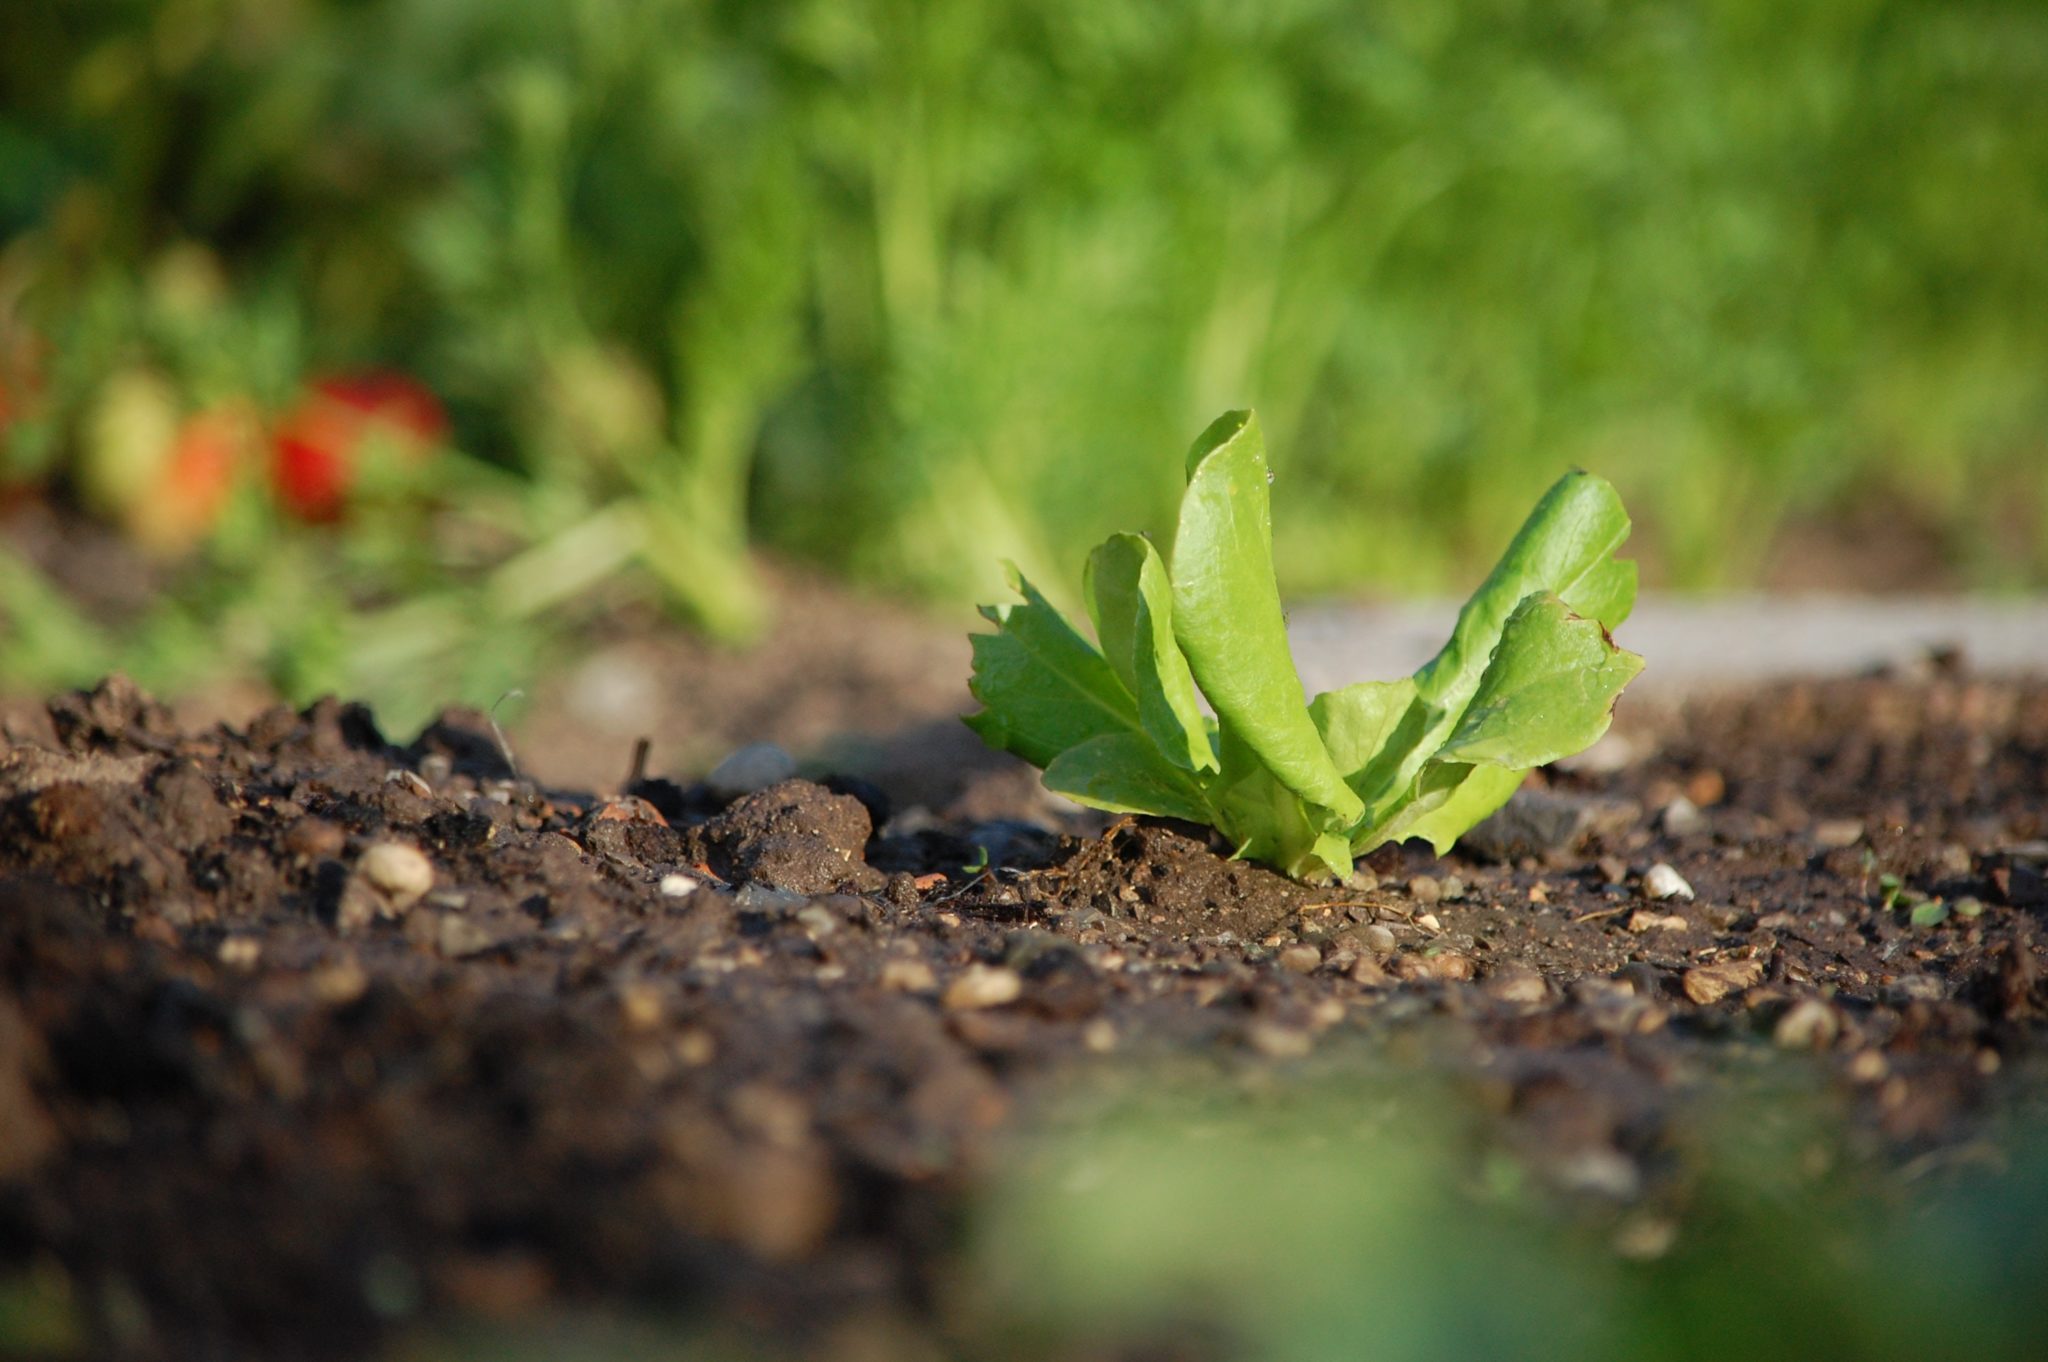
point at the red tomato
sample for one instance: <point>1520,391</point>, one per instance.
<point>318,444</point>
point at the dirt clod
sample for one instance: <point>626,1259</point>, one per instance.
<point>794,836</point>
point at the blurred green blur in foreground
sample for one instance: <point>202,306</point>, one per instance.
<point>504,311</point>
<point>1387,1216</point>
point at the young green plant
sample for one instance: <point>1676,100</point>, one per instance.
<point>1529,675</point>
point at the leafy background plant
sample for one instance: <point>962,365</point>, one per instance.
<point>693,277</point>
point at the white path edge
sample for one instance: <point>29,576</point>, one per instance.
<point>1702,642</point>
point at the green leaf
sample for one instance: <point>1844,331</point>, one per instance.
<point>1565,547</point>
<point>1548,692</point>
<point>1125,773</point>
<point>1359,721</point>
<point>1045,688</point>
<point>1226,616</point>
<point>1929,913</point>
<point>1451,799</point>
<point>1131,602</point>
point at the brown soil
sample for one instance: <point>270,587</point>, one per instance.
<point>262,1095</point>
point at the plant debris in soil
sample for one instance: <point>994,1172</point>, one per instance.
<point>305,1035</point>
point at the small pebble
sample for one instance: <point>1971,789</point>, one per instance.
<point>1301,959</point>
<point>1682,818</point>
<point>908,976</point>
<point>340,983</point>
<point>1379,940</point>
<point>1517,984</point>
<point>1641,921</point>
<point>753,767</point>
<point>1708,984</point>
<point>1449,967</point>
<point>410,781</point>
<point>1424,889</point>
<point>1808,1024</point>
<point>678,886</point>
<point>401,873</point>
<point>240,952</point>
<point>1707,788</point>
<point>640,1004</point>
<point>983,986</point>
<point>1367,972</point>
<point>1722,916</point>
<point>817,920</point>
<point>1428,922</point>
<point>1662,882</point>
<point>1833,834</point>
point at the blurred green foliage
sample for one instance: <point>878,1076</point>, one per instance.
<point>905,288</point>
<point>1367,1210</point>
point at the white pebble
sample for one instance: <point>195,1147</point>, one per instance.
<point>401,873</point>
<point>1662,882</point>
<point>241,952</point>
<point>1682,818</point>
<point>677,886</point>
<point>983,986</point>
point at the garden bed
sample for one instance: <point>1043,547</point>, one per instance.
<point>755,1059</point>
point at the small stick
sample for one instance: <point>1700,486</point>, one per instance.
<point>639,771</point>
<point>504,747</point>
<point>1602,912</point>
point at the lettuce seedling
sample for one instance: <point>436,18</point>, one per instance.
<point>1529,675</point>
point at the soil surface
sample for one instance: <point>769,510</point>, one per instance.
<point>306,1037</point>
